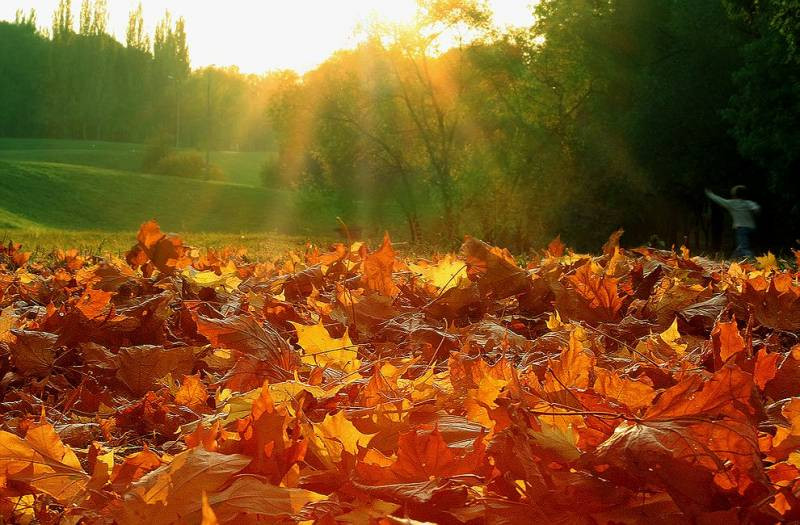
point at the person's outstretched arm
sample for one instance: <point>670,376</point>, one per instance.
<point>716,198</point>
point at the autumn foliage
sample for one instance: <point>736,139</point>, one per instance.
<point>350,386</point>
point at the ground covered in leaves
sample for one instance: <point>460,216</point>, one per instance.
<point>345,385</point>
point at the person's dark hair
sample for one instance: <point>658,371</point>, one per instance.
<point>739,192</point>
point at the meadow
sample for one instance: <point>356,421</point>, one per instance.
<point>91,195</point>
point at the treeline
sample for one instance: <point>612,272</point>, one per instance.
<point>603,114</point>
<point>76,81</point>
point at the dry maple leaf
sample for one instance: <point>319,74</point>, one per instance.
<point>320,349</point>
<point>42,461</point>
<point>775,302</point>
<point>556,247</point>
<point>378,269</point>
<point>599,292</point>
<point>174,490</point>
<point>250,497</point>
<point>727,339</point>
<point>165,252</point>
<point>246,335</point>
<point>610,389</point>
<point>422,455</point>
<point>495,272</point>
<point>140,367</point>
<point>192,393</point>
<point>33,352</point>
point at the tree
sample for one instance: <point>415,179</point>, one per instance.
<point>431,89</point>
<point>62,19</point>
<point>23,58</point>
<point>764,111</point>
<point>136,38</point>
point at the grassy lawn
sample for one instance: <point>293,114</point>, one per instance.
<point>238,167</point>
<point>82,198</point>
<point>259,246</point>
<point>91,196</point>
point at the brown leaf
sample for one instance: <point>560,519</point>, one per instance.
<point>696,461</point>
<point>423,455</point>
<point>599,293</point>
<point>140,367</point>
<point>251,497</point>
<point>42,461</point>
<point>727,340</point>
<point>192,393</point>
<point>378,268</point>
<point>495,271</point>
<point>165,252</point>
<point>33,352</point>
<point>244,334</point>
<point>766,367</point>
<point>613,242</point>
<point>775,303</point>
<point>729,392</point>
<point>175,489</point>
<point>556,247</point>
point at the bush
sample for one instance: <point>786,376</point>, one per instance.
<point>157,149</point>
<point>188,164</point>
<point>271,173</point>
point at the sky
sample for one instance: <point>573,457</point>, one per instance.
<point>263,35</point>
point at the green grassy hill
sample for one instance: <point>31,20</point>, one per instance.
<point>239,167</point>
<point>91,195</point>
<point>52,195</point>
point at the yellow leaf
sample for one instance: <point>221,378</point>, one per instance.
<point>447,273</point>
<point>320,349</point>
<point>633,394</point>
<point>209,518</point>
<point>671,335</point>
<point>480,400</point>
<point>554,322</point>
<point>573,368</point>
<point>192,393</point>
<point>370,512</point>
<point>337,434</point>
<point>42,461</point>
<point>7,321</point>
<point>767,262</point>
<point>560,439</point>
<point>173,490</point>
<point>228,281</point>
<point>22,509</point>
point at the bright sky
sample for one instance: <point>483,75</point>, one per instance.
<point>262,35</point>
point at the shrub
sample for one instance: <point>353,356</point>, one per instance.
<point>188,164</point>
<point>157,149</point>
<point>271,173</point>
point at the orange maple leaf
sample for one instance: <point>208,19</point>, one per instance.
<point>378,269</point>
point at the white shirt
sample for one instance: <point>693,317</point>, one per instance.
<point>741,210</point>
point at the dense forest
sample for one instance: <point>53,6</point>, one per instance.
<point>60,82</point>
<point>603,114</point>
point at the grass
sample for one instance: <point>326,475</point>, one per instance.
<point>61,196</point>
<point>43,242</point>
<point>237,167</point>
<point>91,196</point>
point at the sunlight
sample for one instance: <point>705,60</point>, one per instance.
<point>272,35</point>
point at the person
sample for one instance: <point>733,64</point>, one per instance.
<point>742,212</point>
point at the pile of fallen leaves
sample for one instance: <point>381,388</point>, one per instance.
<point>349,386</point>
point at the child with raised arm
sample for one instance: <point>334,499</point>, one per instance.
<point>742,212</point>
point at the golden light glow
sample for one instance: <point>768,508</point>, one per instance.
<point>262,35</point>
